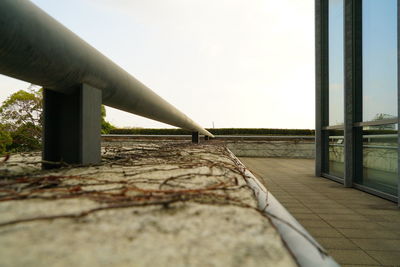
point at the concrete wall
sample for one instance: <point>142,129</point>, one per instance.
<point>295,148</point>
<point>273,149</point>
<point>377,158</point>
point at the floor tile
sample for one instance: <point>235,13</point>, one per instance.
<point>355,224</point>
<point>386,257</point>
<point>299,210</point>
<point>385,212</point>
<point>332,211</point>
<point>293,205</point>
<point>343,256</point>
<point>314,223</point>
<point>325,206</point>
<point>336,243</point>
<point>343,217</point>
<point>391,218</point>
<point>323,232</point>
<point>390,225</point>
<point>374,218</point>
<point>369,233</point>
<point>377,244</point>
<point>362,265</point>
<point>306,216</point>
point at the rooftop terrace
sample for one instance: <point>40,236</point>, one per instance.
<point>355,227</point>
<point>206,195</point>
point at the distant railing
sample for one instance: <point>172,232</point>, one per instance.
<point>369,138</point>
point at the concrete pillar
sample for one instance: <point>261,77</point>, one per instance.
<point>195,137</point>
<point>71,126</point>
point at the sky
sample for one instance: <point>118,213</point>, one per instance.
<point>336,62</point>
<point>379,60</point>
<point>227,63</point>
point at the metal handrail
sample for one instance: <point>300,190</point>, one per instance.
<point>36,48</point>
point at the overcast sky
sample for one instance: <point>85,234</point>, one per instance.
<point>237,63</point>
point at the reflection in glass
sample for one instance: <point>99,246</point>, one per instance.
<point>336,153</point>
<point>380,158</point>
<point>336,63</point>
<point>379,59</point>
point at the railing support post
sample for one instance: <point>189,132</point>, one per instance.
<point>71,126</point>
<point>195,137</point>
<point>206,137</point>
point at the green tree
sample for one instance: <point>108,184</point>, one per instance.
<point>106,127</point>
<point>5,139</point>
<point>21,119</point>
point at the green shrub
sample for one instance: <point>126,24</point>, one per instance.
<point>106,127</point>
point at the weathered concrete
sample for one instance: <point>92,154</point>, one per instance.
<point>249,146</point>
<point>159,204</point>
<point>277,149</point>
<point>21,164</point>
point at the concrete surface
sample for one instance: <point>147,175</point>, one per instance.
<point>290,148</point>
<point>358,229</point>
<point>156,204</point>
<point>277,149</point>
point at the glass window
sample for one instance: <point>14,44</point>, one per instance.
<point>336,62</point>
<point>379,59</point>
<point>336,153</point>
<point>380,158</point>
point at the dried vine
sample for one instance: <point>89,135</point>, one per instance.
<point>179,164</point>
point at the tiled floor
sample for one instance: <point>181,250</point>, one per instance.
<point>358,229</point>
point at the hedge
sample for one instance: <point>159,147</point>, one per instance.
<point>215,131</point>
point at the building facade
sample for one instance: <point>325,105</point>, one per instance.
<point>357,94</point>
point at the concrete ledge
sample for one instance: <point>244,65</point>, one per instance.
<point>304,247</point>
<point>153,204</point>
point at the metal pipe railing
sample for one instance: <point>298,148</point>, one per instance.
<point>36,48</point>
